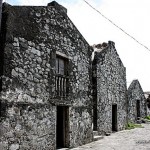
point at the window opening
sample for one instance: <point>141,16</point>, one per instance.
<point>61,79</point>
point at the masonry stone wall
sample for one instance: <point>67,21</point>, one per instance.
<point>110,87</point>
<point>80,127</point>
<point>147,96</point>
<point>27,126</point>
<point>148,111</point>
<point>135,93</point>
<point>0,12</point>
<point>31,39</point>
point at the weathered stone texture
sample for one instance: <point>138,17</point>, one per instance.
<point>0,12</point>
<point>32,38</point>
<point>135,93</point>
<point>147,96</point>
<point>81,130</point>
<point>28,126</point>
<point>109,87</point>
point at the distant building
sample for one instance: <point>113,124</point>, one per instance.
<point>137,106</point>
<point>109,89</point>
<point>147,96</point>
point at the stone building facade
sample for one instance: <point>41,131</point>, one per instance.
<point>109,89</point>
<point>147,96</point>
<point>0,12</point>
<point>137,106</point>
<point>45,80</point>
<point>51,92</point>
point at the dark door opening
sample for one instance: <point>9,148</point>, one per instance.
<point>62,129</point>
<point>114,117</point>
<point>94,87</point>
<point>95,117</point>
<point>138,109</point>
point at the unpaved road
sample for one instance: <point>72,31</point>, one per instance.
<point>135,139</point>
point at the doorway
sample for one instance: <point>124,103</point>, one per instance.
<point>138,109</point>
<point>95,117</point>
<point>95,110</point>
<point>114,117</point>
<point>62,127</point>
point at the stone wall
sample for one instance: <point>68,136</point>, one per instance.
<point>80,126</point>
<point>27,126</point>
<point>147,96</point>
<point>148,111</point>
<point>135,93</point>
<point>31,39</point>
<point>0,13</point>
<point>1,52</point>
<point>110,87</point>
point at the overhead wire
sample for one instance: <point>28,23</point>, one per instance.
<point>117,26</point>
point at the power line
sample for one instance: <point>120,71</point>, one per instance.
<point>116,25</point>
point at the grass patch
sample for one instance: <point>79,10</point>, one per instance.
<point>147,117</point>
<point>131,125</point>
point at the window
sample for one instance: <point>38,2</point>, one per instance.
<point>60,66</point>
<point>61,79</point>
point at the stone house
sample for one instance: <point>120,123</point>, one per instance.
<point>45,80</point>
<point>137,105</point>
<point>52,95</point>
<point>109,89</point>
<point>147,96</point>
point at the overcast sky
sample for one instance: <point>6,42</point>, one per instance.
<point>130,15</point>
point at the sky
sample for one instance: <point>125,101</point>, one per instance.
<point>131,15</point>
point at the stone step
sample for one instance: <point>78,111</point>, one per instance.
<point>107,133</point>
<point>97,137</point>
<point>95,133</point>
<point>62,148</point>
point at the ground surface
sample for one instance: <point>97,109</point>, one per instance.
<point>135,139</point>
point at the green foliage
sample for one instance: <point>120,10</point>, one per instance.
<point>131,125</point>
<point>147,117</point>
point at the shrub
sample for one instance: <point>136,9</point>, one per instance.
<point>131,125</point>
<point>147,117</point>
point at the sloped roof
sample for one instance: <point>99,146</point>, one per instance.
<point>99,49</point>
<point>134,85</point>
